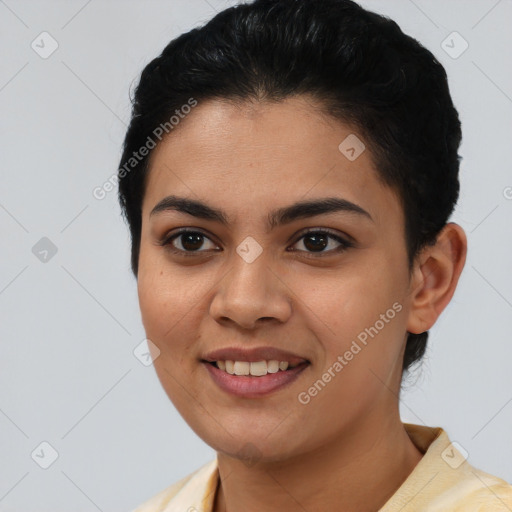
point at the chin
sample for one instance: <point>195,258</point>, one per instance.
<point>252,448</point>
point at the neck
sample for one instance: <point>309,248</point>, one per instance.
<point>359,471</point>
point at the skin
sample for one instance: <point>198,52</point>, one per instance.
<point>249,159</point>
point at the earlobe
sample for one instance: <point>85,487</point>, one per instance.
<point>435,277</point>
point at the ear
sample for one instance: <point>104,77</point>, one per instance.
<point>435,276</point>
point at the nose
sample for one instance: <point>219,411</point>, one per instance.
<point>251,294</point>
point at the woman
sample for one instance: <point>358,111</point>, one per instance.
<point>287,177</point>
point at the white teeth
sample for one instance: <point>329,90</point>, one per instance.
<point>256,369</point>
<point>273,366</point>
<point>230,367</point>
<point>242,368</point>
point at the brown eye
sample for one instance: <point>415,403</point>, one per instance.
<point>316,241</point>
<point>187,241</point>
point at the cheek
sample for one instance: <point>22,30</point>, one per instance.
<point>167,311</point>
<point>162,306</point>
<point>160,299</point>
<point>357,314</point>
<point>171,305</point>
<point>346,303</point>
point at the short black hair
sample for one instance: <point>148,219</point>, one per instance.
<point>360,66</point>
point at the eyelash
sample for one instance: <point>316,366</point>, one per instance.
<point>344,244</point>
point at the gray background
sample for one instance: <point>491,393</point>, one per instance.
<point>70,324</point>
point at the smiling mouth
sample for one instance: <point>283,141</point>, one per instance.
<point>245,384</point>
<point>256,368</point>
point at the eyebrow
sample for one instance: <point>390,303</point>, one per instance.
<point>280,216</point>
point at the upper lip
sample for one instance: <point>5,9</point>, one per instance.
<point>253,355</point>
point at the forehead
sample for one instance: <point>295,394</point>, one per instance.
<point>265,153</point>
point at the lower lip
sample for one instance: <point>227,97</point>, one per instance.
<point>251,387</point>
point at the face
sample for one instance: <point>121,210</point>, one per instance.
<point>329,286</point>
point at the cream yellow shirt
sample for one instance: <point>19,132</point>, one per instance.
<point>442,481</point>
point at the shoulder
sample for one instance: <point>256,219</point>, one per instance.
<point>483,492</point>
<point>195,484</point>
<point>445,481</point>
